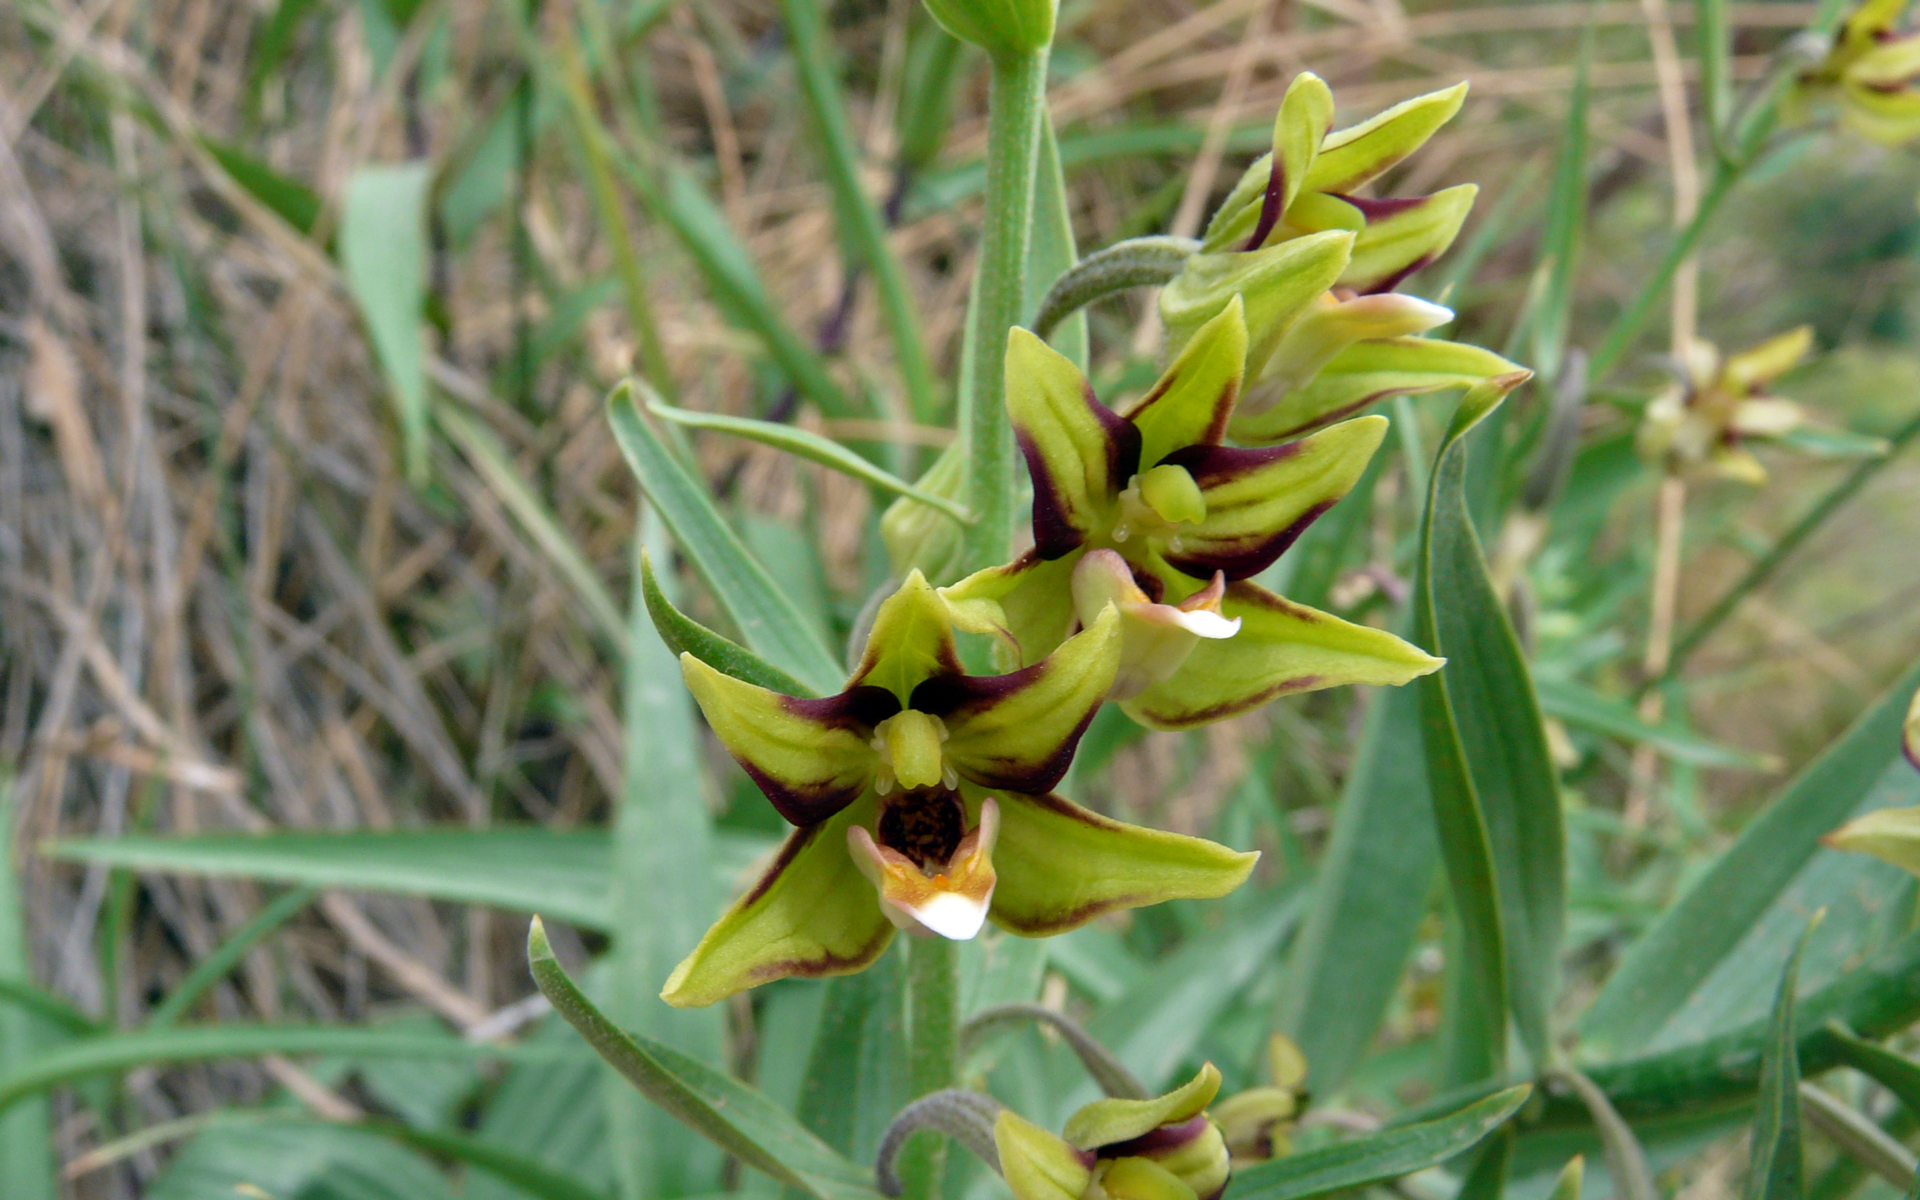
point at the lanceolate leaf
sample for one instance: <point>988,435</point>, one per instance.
<point>773,627</point>
<point>1752,900</point>
<point>684,635</point>
<point>1776,1170</point>
<point>1496,798</point>
<point>26,1137</point>
<point>734,1116</point>
<point>1386,1155</point>
<point>1369,896</point>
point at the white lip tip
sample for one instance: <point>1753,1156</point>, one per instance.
<point>952,916</point>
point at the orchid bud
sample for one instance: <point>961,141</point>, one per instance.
<point>1003,28</point>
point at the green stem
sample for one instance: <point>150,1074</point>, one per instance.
<point>1628,324</point>
<point>1783,549</point>
<point>860,222</point>
<point>933,1033</point>
<point>1015,102</point>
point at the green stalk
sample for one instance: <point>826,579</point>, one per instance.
<point>933,1033</point>
<point>1016,100</point>
<point>1763,570</point>
<point>1628,324</point>
<point>860,223</point>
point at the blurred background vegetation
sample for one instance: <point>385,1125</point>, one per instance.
<point>256,574</point>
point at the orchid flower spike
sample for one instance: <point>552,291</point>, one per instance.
<point>1146,511</point>
<point>1166,1148</point>
<point>920,800</point>
<point>1318,264</point>
<point>1704,423</point>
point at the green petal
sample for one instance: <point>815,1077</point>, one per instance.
<point>1355,155</point>
<point>1105,1122</point>
<point>1259,501</point>
<point>1754,368</point>
<point>1019,730</point>
<point>1194,397</point>
<point>810,757</point>
<point>1276,284</point>
<point>1281,648</point>
<point>812,914</point>
<point>911,640</point>
<point>1037,1165</point>
<point>1027,602</point>
<point>1405,236</point>
<point>1061,866</point>
<point>1079,452</point>
<point>1300,130</point>
<point>1889,834</point>
<point>1364,373</point>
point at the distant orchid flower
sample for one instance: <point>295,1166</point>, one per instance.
<point>1870,76</point>
<point>920,799</point>
<point>1705,422</point>
<point>1165,1148</point>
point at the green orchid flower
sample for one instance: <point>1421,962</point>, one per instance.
<point>920,799</point>
<point>1704,422</point>
<point>1161,1149</point>
<point>1869,76</point>
<point>1144,511</point>
<point>1351,340</point>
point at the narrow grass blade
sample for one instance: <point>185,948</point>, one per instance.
<point>529,1176</point>
<point>1584,708</point>
<point>1552,315</point>
<point>114,1053</point>
<point>1492,1164</point>
<point>26,1133</point>
<point>296,203</point>
<point>1369,896</point>
<point>48,1007</point>
<point>1895,1072</point>
<point>504,479</point>
<point>1777,1170</point>
<point>684,635</point>
<point>214,967</point>
<point>861,230</point>
<point>810,446</point>
<point>663,898</point>
<point>383,256</point>
<point>1715,50</point>
<point>1857,1136</point>
<point>1381,1157</point>
<point>1627,1165</point>
<point>771,625</point>
<point>1496,796</point>
<point>1664,973</point>
<point>732,1115</point>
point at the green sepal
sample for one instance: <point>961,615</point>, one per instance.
<point>911,640</point>
<point>1354,156</point>
<point>1194,396</point>
<point>1400,242</point>
<point>806,759</point>
<point>1073,444</point>
<point>1282,648</point>
<point>1061,866</point>
<point>811,914</point>
<point>1105,1122</point>
<point>1891,835</point>
<point>684,635</point>
<point>1365,373</point>
<point>1037,1165</point>
<point>1276,284</point>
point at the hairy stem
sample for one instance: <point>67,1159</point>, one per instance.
<point>1015,102</point>
<point>933,1032</point>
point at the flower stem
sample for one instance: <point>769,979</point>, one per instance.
<point>933,1032</point>
<point>1015,101</point>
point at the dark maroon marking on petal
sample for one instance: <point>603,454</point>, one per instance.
<point>1217,712</point>
<point>789,850</point>
<point>1269,204</point>
<point>1154,586</point>
<point>1158,1140</point>
<point>858,708</point>
<point>1054,533</point>
<point>1212,466</point>
<point>1397,278</point>
<point>1912,751</point>
<point>953,697</point>
<point>1375,209</point>
<point>831,964</point>
<point>803,807</point>
<point>1248,557</point>
<point>1254,596</point>
<point>1220,1191</point>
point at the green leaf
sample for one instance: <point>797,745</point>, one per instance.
<point>1895,1072</point>
<point>856,1074</point>
<point>113,1053</point>
<point>529,1176</point>
<point>1581,706</point>
<point>770,623</point>
<point>1551,312</point>
<point>26,1133</point>
<point>663,898</point>
<point>214,967</point>
<point>1383,1156</point>
<point>553,1112</point>
<point>683,635</point>
<point>296,1158</point>
<point>1698,968</point>
<point>383,255</point>
<point>503,477</point>
<point>732,1115</point>
<point>810,446</point>
<point>1496,797</point>
<point>1777,1171</point>
<point>293,201</point>
<point>1492,1164</point>
<point>1369,897</point>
